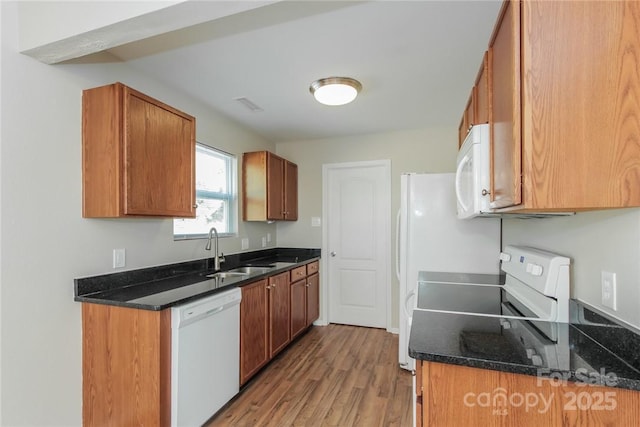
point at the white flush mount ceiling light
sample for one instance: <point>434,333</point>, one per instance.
<point>335,90</point>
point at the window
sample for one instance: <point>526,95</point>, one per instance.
<point>215,196</point>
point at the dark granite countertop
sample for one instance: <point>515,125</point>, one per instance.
<point>590,348</point>
<point>157,288</point>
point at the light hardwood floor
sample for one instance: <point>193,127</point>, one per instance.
<point>334,375</point>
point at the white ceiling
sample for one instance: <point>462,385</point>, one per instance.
<point>416,60</point>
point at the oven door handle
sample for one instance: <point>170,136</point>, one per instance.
<point>461,165</point>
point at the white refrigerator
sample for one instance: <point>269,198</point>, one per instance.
<point>430,237</point>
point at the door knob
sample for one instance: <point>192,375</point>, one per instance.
<point>333,253</point>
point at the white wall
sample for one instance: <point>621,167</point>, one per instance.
<point>44,241</point>
<point>595,241</point>
<point>425,150</point>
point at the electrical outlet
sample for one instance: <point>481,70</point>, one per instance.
<point>609,297</point>
<point>268,237</point>
<point>245,243</point>
<point>264,242</point>
<point>119,258</point>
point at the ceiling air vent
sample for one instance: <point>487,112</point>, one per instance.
<point>249,104</point>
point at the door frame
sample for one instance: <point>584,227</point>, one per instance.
<point>325,293</point>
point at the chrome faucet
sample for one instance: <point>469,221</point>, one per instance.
<point>217,259</point>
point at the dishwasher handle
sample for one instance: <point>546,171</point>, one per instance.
<point>214,311</point>
<point>186,314</point>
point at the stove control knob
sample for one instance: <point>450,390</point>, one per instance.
<point>536,360</point>
<point>505,323</point>
<point>536,270</point>
<point>505,257</point>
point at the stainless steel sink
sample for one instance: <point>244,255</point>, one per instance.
<point>250,270</point>
<point>240,272</point>
<point>226,274</point>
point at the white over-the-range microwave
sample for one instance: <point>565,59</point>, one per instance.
<point>473,179</point>
<point>472,174</point>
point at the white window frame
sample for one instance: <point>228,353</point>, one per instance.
<point>231,197</point>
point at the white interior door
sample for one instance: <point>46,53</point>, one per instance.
<point>356,214</point>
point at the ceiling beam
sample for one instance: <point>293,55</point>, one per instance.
<point>83,28</point>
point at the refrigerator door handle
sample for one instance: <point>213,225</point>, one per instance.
<point>406,301</point>
<point>398,245</point>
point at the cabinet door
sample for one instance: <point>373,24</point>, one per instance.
<point>126,359</point>
<point>291,191</point>
<point>138,155</point>
<point>418,396</point>
<point>159,158</point>
<point>254,338</point>
<point>254,186</point>
<point>581,117</point>
<point>279,312</point>
<point>481,101</point>
<point>453,396</point>
<point>275,187</point>
<point>313,298</point>
<point>298,307</point>
<point>466,120</point>
<point>505,109</point>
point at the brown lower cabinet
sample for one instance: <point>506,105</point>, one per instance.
<point>254,332</point>
<point>305,298</point>
<point>313,298</point>
<point>298,307</point>
<point>452,395</point>
<point>264,323</point>
<point>279,313</point>
<point>126,366</point>
<point>273,312</point>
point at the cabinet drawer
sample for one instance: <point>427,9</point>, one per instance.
<point>298,273</point>
<point>312,268</point>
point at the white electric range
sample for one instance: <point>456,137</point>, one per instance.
<point>531,301</point>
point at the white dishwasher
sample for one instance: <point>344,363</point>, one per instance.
<point>205,357</point>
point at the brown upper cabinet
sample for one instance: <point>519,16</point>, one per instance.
<point>482,92</point>
<point>477,108</point>
<point>269,187</point>
<point>564,115</point>
<point>138,155</point>
<point>468,116</point>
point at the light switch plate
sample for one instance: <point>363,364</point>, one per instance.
<point>245,243</point>
<point>315,221</point>
<point>609,289</point>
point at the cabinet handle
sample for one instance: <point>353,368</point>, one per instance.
<point>307,285</point>
<point>485,192</point>
<point>273,285</point>
<point>195,206</point>
<point>268,287</point>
